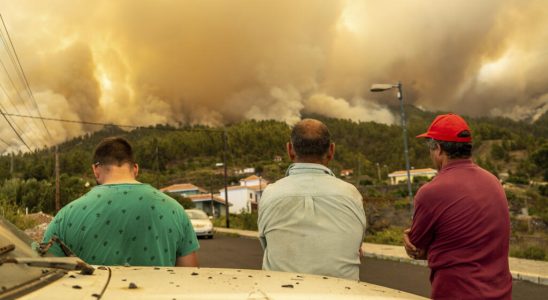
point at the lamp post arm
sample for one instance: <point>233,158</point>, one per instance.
<point>406,150</point>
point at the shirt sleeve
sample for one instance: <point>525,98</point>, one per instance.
<point>261,217</point>
<point>188,242</point>
<point>422,229</point>
<point>54,230</point>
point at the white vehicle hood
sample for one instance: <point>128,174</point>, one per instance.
<point>208,283</point>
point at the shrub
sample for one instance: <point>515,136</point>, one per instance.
<point>402,204</point>
<point>391,236</point>
<point>530,252</point>
<point>12,214</point>
<point>244,221</point>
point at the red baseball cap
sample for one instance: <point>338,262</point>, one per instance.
<point>448,128</point>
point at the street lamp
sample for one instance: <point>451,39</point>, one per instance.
<point>381,87</point>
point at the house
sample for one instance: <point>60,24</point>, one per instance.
<point>213,205</point>
<point>346,172</point>
<point>184,189</point>
<point>246,196</point>
<point>398,177</point>
<point>245,171</point>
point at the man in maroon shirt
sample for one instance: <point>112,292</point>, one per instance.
<point>461,221</point>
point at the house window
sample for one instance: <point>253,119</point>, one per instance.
<point>250,195</point>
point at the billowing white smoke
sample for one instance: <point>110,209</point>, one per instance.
<point>212,62</point>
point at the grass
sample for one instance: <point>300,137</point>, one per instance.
<point>390,236</point>
<point>244,221</point>
<point>12,214</point>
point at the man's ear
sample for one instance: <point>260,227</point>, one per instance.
<point>96,171</point>
<point>331,152</point>
<point>438,149</point>
<point>135,170</point>
<point>290,151</point>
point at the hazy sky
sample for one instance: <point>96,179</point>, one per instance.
<point>212,62</point>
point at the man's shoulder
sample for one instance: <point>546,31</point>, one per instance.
<point>323,184</point>
<point>77,202</point>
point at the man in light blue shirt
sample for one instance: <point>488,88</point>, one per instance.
<point>310,221</point>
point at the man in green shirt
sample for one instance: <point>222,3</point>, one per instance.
<point>122,221</point>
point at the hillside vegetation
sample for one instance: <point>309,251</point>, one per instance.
<point>515,151</point>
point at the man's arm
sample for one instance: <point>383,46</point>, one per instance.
<point>418,238</point>
<point>189,260</point>
<point>411,250</point>
<point>54,229</point>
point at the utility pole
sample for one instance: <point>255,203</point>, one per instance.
<point>157,167</point>
<point>57,188</point>
<point>225,152</point>
<point>260,195</point>
<point>11,165</point>
<point>212,200</point>
<point>379,172</point>
<point>358,174</point>
<point>406,150</point>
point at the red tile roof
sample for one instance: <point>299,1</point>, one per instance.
<point>182,187</point>
<point>249,178</point>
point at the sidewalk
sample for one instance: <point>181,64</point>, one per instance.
<point>521,269</point>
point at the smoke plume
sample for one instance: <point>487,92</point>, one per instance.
<point>216,62</point>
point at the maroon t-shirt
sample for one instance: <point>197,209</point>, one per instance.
<point>462,220</point>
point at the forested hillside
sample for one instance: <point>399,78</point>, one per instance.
<point>166,154</point>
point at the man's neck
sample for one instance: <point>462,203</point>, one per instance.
<point>118,176</point>
<point>310,161</point>
<point>448,161</point>
<point>119,181</point>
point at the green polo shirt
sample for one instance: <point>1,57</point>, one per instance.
<point>124,224</point>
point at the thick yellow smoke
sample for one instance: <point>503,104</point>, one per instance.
<point>213,61</point>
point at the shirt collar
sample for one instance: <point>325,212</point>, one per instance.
<point>457,163</point>
<point>308,168</point>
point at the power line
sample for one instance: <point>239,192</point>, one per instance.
<point>4,109</point>
<point>1,140</point>
<point>15,88</point>
<point>17,92</point>
<point>108,124</point>
<point>71,121</point>
<point>24,76</point>
<point>5,114</point>
<point>17,133</point>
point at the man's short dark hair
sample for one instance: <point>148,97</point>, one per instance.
<point>453,149</point>
<point>113,151</point>
<point>310,138</point>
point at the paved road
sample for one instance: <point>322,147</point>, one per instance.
<point>246,253</point>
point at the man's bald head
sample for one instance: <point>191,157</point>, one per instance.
<point>310,139</point>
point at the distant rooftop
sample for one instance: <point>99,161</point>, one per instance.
<point>182,187</point>
<point>414,172</point>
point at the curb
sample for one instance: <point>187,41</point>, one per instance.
<point>529,277</point>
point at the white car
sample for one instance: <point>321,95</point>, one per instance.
<point>200,222</point>
<point>24,274</point>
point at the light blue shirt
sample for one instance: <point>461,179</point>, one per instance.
<point>312,222</point>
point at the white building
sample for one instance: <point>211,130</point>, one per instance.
<point>401,176</point>
<point>213,205</point>
<point>246,196</point>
